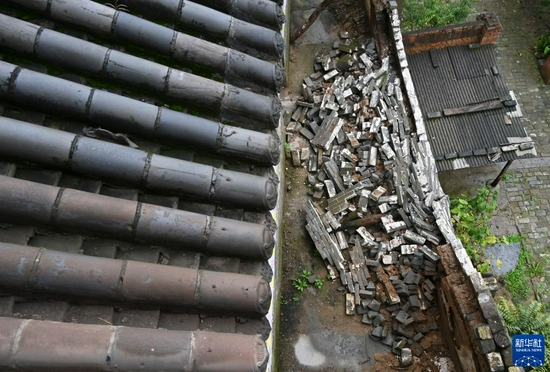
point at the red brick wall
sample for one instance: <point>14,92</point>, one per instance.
<point>485,30</point>
<point>545,71</point>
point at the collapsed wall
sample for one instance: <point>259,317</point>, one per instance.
<point>367,216</point>
<point>468,309</point>
<point>373,162</point>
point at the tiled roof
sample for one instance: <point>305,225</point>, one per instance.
<point>139,155</point>
<point>470,113</point>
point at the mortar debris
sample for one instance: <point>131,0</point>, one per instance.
<point>374,195</point>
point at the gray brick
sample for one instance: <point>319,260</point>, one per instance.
<point>6,305</point>
<point>16,234</point>
<point>58,242</point>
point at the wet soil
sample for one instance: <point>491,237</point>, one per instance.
<point>333,341</point>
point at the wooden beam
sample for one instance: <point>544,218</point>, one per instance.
<point>501,174</point>
<point>491,105</point>
<point>310,20</point>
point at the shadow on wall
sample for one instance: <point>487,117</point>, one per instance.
<point>466,181</point>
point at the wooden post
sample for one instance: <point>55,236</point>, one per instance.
<point>310,20</point>
<point>499,177</point>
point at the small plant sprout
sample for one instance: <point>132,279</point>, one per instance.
<point>119,7</point>
<point>299,284</point>
<point>484,267</point>
<point>305,274</point>
<point>543,46</point>
<point>511,239</point>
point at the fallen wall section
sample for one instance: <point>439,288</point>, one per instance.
<point>467,306</point>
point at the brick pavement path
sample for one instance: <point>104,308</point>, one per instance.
<point>528,188</point>
<point>528,194</point>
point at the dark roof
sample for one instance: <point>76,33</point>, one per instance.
<point>467,107</point>
<point>138,185</point>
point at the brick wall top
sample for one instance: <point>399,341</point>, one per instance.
<point>484,30</point>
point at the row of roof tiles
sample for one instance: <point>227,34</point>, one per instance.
<point>127,163</point>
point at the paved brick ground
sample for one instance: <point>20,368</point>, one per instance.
<point>528,188</point>
<point>528,193</point>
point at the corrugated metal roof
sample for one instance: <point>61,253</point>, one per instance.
<point>458,77</point>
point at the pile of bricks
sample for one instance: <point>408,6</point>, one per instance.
<point>378,215</point>
<point>372,192</point>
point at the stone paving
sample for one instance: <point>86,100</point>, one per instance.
<point>527,189</point>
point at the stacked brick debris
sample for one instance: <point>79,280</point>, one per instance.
<point>368,218</point>
<point>137,183</point>
<point>378,214</point>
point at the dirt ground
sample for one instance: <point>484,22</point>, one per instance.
<point>319,311</point>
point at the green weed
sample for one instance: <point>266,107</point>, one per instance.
<point>527,319</point>
<point>471,219</point>
<point>517,281</point>
<point>535,269</point>
<point>543,45</point>
<point>517,284</point>
<point>300,283</point>
<point>434,13</point>
<point>511,239</point>
<point>520,318</point>
<point>484,267</point>
<point>319,283</point>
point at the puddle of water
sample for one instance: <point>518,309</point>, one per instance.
<point>503,257</point>
<point>306,354</point>
<point>336,351</point>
